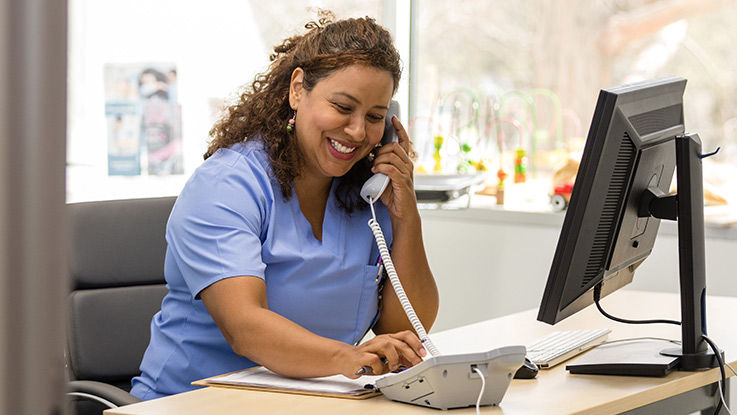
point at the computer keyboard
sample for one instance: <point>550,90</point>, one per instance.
<point>560,346</point>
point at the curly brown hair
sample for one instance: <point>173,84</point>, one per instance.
<point>262,111</point>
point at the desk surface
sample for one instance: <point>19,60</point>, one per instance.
<point>554,391</point>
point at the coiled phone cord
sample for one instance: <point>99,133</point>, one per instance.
<point>397,285</point>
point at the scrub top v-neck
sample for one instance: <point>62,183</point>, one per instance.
<point>231,220</point>
<point>332,223</point>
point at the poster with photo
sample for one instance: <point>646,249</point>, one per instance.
<point>123,138</point>
<point>152,88</point>
<point>163,134</point>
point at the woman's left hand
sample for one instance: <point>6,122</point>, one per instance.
<point>394,160</point>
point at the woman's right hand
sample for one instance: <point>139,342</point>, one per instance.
<point>384,353</point>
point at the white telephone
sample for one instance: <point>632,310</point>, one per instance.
<point>441,381</point>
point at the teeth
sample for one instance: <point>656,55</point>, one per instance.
<point>341,148</point>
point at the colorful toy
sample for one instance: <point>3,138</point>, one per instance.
<point>465,164</point>
<point>520,166</point>
<point>526,118</point>
<point>438,144</point>
<point>563,180</point>
<point>480,165</point>
<point>561,196</point>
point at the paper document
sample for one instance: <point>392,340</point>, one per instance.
<point>265,379</point>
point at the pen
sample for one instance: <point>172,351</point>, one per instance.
<point>367,370</point>
<point>380,264</point>
<point>379,260</point>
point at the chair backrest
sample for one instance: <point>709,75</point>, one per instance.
<point>116,261</point>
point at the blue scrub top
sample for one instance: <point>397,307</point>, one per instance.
<point>231,220</point>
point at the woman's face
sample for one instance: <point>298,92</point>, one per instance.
<point>341,119</point>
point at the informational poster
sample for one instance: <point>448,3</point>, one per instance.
<point>144,119</point>
<point>123,138</point>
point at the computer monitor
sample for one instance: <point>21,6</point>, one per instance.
<point>635,142</point>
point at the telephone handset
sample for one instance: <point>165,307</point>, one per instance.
<point>376,184</point>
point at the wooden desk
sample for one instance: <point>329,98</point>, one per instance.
<point>554,391</point>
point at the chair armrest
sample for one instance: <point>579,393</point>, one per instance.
<point>104,393</point>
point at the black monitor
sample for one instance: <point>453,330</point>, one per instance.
<point>635,142</point>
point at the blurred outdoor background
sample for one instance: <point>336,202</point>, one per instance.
<point>487,86</point>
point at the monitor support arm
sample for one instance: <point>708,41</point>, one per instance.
<point>687,207</point>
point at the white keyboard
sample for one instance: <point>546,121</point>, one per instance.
<point>560,346</point>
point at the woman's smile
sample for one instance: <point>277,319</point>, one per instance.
<point>340,150</point>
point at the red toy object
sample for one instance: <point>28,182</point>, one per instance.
<point>561,196</point>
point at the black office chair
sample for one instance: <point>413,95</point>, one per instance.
<point>116,261</point>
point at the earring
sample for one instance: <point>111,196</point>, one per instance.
<point>372,154</point>
<point>290,123</point>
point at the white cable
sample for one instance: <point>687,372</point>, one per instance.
<point>394,278</point>
<point>724,401</point>
<point>481,392</point>
<point>720,384</point>
<point>719,388</point>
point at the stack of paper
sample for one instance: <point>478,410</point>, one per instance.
<point>263,379</point>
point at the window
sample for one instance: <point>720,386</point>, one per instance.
<point>489,79</point>
<point>124,142</point>
<point>507,75</point>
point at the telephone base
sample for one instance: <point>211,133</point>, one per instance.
<point>447,382</point>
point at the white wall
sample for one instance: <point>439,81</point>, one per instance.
<point>489,263</point>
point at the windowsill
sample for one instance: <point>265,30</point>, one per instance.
<point>720,224</point>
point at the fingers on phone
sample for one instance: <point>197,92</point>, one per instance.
<point>408,347</point>
<point>395,155</point>
<point>413,341</point>
<point>401,132</point>
<point>403,136</point>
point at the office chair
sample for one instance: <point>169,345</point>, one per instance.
<point>116,261</point>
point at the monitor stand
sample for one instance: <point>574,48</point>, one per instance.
<point>687,207</point>
<point>635,358</point>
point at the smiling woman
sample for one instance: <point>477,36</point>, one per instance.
<point>341,120</point>
<point>257,276</point>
